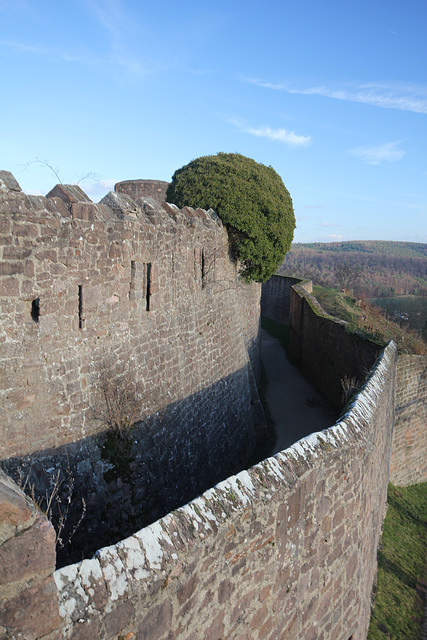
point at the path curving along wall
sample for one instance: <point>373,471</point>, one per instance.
<point>318,343</point>
<point>327,355</point>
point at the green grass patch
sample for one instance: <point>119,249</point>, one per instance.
<point>277,330</point>
<point>399,604</point>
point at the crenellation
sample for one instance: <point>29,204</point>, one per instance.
<point>131,287</point>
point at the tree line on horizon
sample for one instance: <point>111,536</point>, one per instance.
<point>373,269</point>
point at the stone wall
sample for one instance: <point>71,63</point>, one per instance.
<point>28,595</point>
<point>155,189</point>
<point>276,298</point>
<point>286,549</point>
<point>136,293</point>
<point>409,456</point>
<point>318,343</point>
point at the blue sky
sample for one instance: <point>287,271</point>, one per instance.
<point>332,94</point>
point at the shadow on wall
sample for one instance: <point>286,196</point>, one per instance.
<point>319,344</point>
<point>130,481</point>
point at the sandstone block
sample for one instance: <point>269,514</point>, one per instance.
<point>28,553</point>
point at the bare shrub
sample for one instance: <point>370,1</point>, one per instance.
<point>119,404</point>
<point>349,387</point>
<point>56,502</point>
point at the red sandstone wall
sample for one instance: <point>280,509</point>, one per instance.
<point>284,550</point>
<point>73,304</point>
<point>321,347</point>
<point>87,266</point>
<point>409,457</point>
<point>276,298</point>
<point>28,598</point>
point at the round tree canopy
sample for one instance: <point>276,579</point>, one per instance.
<point>250,199</point>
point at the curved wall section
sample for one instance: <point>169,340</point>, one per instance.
<point>285,549</point>
<point>142,297</point>
<point>155,189</point>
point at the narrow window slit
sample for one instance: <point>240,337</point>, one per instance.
<point>81,319</point>
<point>148,286</point>
<point>35,309</point>
<point>132,277</point>
<point>203,269</point>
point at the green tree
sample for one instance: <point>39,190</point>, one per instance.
<point>252,202</point>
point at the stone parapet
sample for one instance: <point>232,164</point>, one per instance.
<point>409,458</point>
<point>28,597</point>
<point>285,549</point>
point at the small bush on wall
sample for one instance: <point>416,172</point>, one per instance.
<point>250,199</point>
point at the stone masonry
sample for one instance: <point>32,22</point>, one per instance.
<point>318,343</point>
<point>155,189</point>
<point>409,458</point>
<point>285,550</point>
<point>141,294</point>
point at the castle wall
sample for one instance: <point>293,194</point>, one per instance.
<point>318,343</point>
<point>136,293</point>
<point>409,456</point>
<point>28,595</point>
<point>276,298</point>
<point>286,549</point>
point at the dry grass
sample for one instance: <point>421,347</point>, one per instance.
<point>370,321</point>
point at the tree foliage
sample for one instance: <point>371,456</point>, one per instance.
<point>252,202</point>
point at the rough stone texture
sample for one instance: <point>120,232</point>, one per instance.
<point>68,193</point>
<point>28,596</point>
<point>141,294</point>
<point>286,549</point>
<point>8,182</point>
<point>318,343</point>
<point>276,298</point>
<point>155,189</point>
<point>409,456</point>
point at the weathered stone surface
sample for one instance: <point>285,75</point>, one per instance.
<point>29,553</point>
<point>234,562</point>
<point>33,613</point>
<point>68,193</point>
<point>130,291</point>
<point>409,457</point>
<point>156,623</point>
<point>16,511</point>
<point>8,182</point>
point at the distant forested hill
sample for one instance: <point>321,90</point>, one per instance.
<point>375,269</point>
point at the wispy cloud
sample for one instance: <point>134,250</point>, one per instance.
<point>99,188</point>
<point>113,60</point>
<point>383,153</point>
<point>329,224</point>
<point>277,135</point>
<point>406,97</point>
<point>334,237</point>
<point>113,18</point>
<point>110,16</point>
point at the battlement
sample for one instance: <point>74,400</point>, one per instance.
<point>144,295</point>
